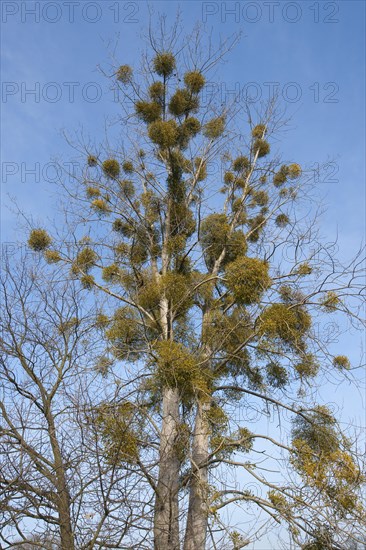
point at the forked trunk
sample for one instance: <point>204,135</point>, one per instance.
<point>197,519</point>
<point>166,520</point>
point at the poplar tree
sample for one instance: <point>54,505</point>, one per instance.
<point>220,294</point>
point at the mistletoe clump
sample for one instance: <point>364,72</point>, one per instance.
<point>164,64</point>
<point>111,168</point>
<point>178,368</point>
<point>92,161</point>
<point>117,427</point>
<point>341,362</point>
<point>148,111</point>
<point>194,80</point>
<point>259,131</point>
<point>214,128</point>
<point>39,240</point>
<point>84,261</point>
<point>164,133</point>
<point>247,279</point>
<point>124,74</point>
<point>216,235</point>
<point>294,171</point>
<point>52,256</point>
<point>182,103</point>
<point>277,375</point>
<point>261,147</point>
<point>157,92</point>
<point>125,334</point>
<point>285,322</point>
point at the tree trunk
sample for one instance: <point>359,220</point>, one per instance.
<point>197,519</point>
<point>166,520</point>
<point>63,497</point>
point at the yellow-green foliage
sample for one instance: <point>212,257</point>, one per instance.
<point>287,323</point>
<point>200,168</point>
<point>282,220</point>
<point>229,178</point>
<point>294,171</point>
<point>236,246</point>
<point>307,367</point>
<point>84,261</point>
<point>290,294</point>
<point>190,128</point>
<point>217,418</point>
<point>121,250</point>
<point>125,228</point>
<point>319,432</point>
<point>241,441</point>
<point>276,375</point>
<point>164,64</point>
<point>261,147</point>
<point>164,133</point>
<point>87,281</point>
<point>246,440</point>
<point>124,74</point>
<point>176,288</point>
<point>240,164</point>
<point>247,279</point>
<point>280,177</point>
<point>149,294</point>
<point>320,459</point>
<point>278,501</point>
<point>111,274</point>
<point>125,333</point>
<point>127,187</point>
<point>256,226</point>
<point>157,91</point>
<point>215,236</point>
<point>194,80</point>
<point>176,367</point>
<point>68,325</point>
<point>228,333</point>
<point>117,427</point>
<point>111,168</point>
<point>238,540</point>
<point>304,269</point>
<point>183,103</point>
<point>148,111</point>
<point>260,198</point>
<point>100,206</point>
<point>101,321</point>
<point>127,166</point>
<point>92,160</point>
<point>341,362</point>
<point>214,128</point>
<point>330,301</point>
<point>181,443</point>
<point>39,240</point>
<point>259,131</point>
<point>52,256</point>
<point>92,192</point>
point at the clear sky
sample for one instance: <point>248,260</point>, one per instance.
<point>313,52</point>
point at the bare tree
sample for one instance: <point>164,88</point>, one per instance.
<point>54,480</point>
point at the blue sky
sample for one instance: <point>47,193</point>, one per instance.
<point>315,51</point>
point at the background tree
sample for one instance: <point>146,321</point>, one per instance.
<point>57,488</point>
<point>220,291</point>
